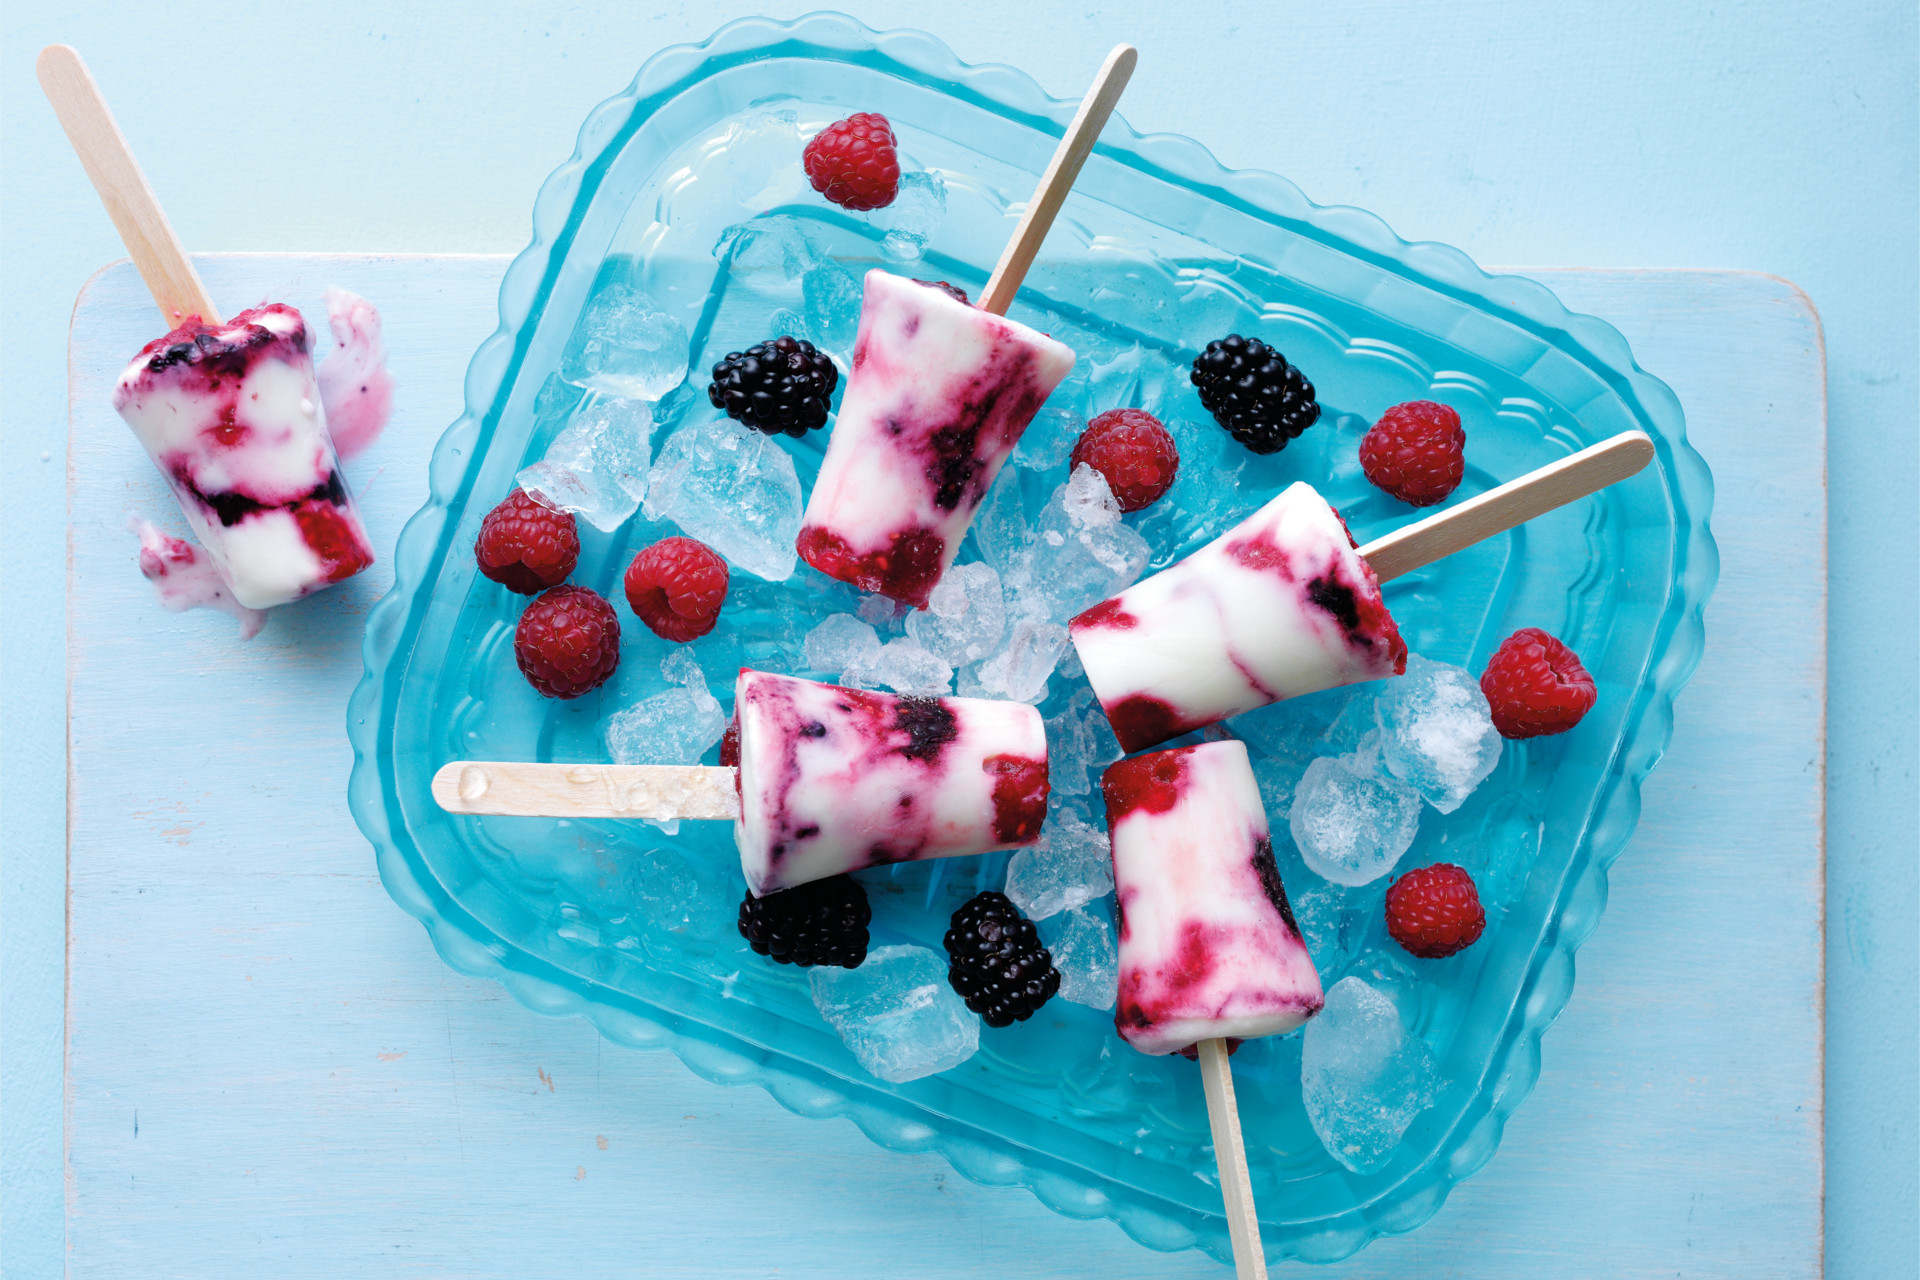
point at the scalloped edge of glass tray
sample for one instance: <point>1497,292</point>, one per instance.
<point>717,1057</point>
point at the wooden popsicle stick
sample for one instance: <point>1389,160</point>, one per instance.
<point>1230,1153</point>
<point>587,790</point>
<point>1075,146</point>
<point>1513,503</point>
<point>123,189</point>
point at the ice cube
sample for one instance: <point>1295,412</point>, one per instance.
<point>1136,378</point>
<point>913,217</point>
<point>1335,921</point>
<point>675,727</point>
<point>831,310</point>
<point>1351,819</point>
<point>763,159</point>
<point>1085,953</point>
<point>666,891</point>
<point>1072,864</point>
<point>897,1013</point>
<point>1080,552</point>
<point>1069,744</point>
<point>1317,915</point>
<point>1080,743</point>
<point>1048,440</point>
<point>903,666</point>
<point>1019,672</point>
<point>682,668</point>
<point>732,488</point>
<point>624,345</point>
<point>965,615</point>
<point>1000,525</point>
<point>841,643</point>
<point>770,251</point>
<point>1291,729</point>
<point>879,610</point>
<point>1087,500</point>
<point>1362,1077</point>
<point>1358,718</point>
<point>597,466</point>
<point>1438,734</point>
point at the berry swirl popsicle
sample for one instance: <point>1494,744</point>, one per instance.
<point>1280,605</point>
<point>231,415</point>
<point>828,780</point>
<point>939,396</point>
<point>1208,945</point>
<point>835,779</point>
<point>1285,604</point>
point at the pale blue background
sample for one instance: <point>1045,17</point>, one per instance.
<point>1777,137</point>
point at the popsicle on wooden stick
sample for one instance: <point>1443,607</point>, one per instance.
<point>230,412</point>
<point>1284,603</point>
<point>830,780</point>
<point>939,395</point>
<point>1209,951</point>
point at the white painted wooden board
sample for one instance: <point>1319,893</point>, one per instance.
<point>271,1073</point>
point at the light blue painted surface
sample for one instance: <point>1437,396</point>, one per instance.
<point>1779,137</point>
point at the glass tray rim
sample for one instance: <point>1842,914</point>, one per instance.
<point>891,1122</point>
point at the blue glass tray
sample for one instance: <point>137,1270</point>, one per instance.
<point>1158,248</point>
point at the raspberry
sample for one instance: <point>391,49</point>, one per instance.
<point>1415,452</point>
<point>677,586</point>
<point>527,546</point>
<point>1435,911</point>
<point>730,743</point>
<point>1134,452</point>
<point>820,922</point>
<point>995,960</point>
<point>780,385</point>
<point>1536,685</point>
<point>568,642</point>
<point>1253,392</point>
<point>853,162</point>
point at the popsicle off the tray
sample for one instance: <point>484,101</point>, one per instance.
<point>231,415</point>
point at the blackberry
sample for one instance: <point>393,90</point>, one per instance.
<point>775,386</point>
<point>995,961</point>
<point>953,291</point>
<point>820,922</point>
<point>1253,392</point>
